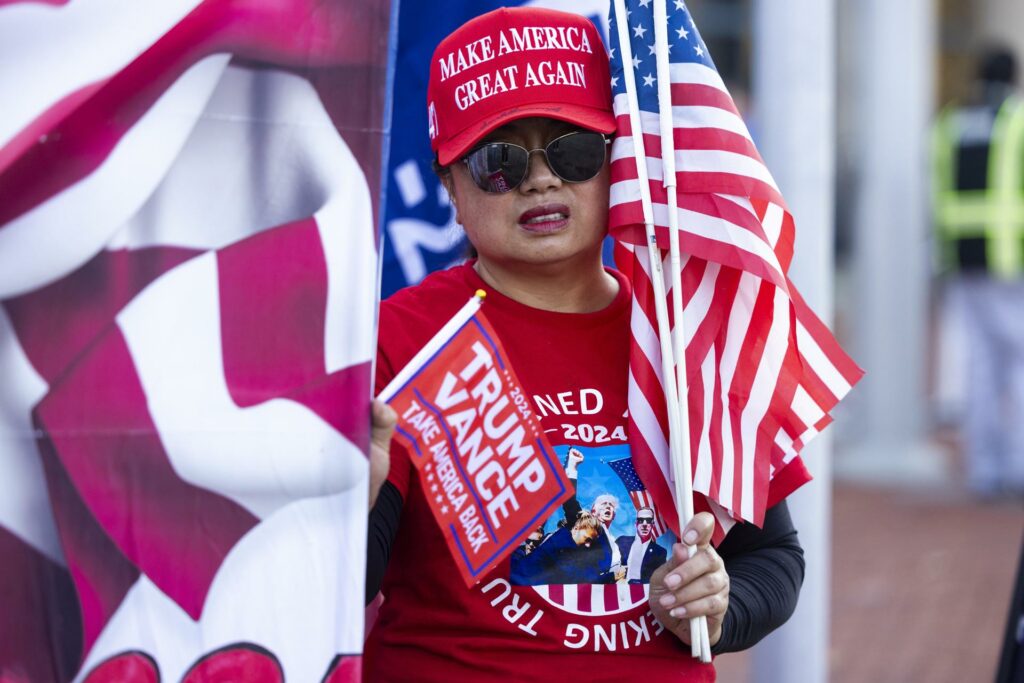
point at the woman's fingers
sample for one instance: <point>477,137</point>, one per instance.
<point>709,606</point>
<point>689,568</point>
<point>698,531</point>
<point>382,420</point>
<point>702,585</point>
<point>686,587</point>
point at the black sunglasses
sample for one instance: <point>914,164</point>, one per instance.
<point>644,520</point>
<point>499,167</point>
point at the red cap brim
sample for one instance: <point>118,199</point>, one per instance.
<point>600,120</point>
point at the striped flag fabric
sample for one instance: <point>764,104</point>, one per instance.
<point>208,450</point>
<point>126,102</point>
<point>763,372</point>
<point>187,257</point>
<point>638,493</point>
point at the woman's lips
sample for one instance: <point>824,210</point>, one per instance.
<point>545,218</point>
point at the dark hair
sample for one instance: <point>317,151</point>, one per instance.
<point>998,65</point>
<point>440,171</point>
<point>444,174</point>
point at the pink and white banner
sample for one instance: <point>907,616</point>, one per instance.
<point>188,259</point>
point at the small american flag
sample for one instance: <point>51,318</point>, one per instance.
<point>763,370</point>
<point>637,491</point>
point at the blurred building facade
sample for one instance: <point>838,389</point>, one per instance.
<point>967,26</point>
<point>898,65</point>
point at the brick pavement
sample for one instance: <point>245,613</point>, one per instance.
<point>921,583</point>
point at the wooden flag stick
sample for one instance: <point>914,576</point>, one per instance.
<point>681,461</point>
<point>658,283</point>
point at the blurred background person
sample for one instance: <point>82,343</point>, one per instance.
<point>978,215</point>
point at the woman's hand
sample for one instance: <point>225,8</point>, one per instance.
<point>383,420</point>
<point>686,587</point>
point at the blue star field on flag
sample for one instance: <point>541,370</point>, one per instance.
<point>685,45</point>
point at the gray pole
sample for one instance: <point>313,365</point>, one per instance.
<point>891,100</point>
<point>794,95</point>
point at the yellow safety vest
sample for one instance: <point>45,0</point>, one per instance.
<point>995,213</point>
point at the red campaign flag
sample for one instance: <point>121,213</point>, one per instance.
<point>489,472</point>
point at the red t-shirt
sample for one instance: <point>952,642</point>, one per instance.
<point>430,626</point>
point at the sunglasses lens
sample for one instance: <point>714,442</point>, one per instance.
<point>577,157</point>
<point>497,166</point>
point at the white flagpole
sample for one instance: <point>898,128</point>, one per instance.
<point>435,344</point>
<point>681,461</point>
<point>657,279</point>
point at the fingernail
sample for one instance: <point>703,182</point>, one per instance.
<point>678,612</point>
<point>673,580</point>
<point>667,600</point>
<point>690,537</point>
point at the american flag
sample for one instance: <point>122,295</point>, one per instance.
<point>763,371</point>
<point>637,491</point>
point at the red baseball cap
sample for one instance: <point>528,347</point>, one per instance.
<point>512,63</point>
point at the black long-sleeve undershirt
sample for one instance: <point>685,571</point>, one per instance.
<point>384,519</point>
<point>766,570</point>
<point>765,567</point>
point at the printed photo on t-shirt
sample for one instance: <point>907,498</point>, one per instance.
<point>609,532</point>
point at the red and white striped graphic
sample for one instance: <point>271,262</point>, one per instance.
<point>132,148</point>
<point>763,370</point>
<point>594,599</point>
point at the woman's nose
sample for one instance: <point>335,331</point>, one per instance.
<point>539,175</point>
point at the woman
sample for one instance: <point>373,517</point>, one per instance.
<point>520,107</point>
